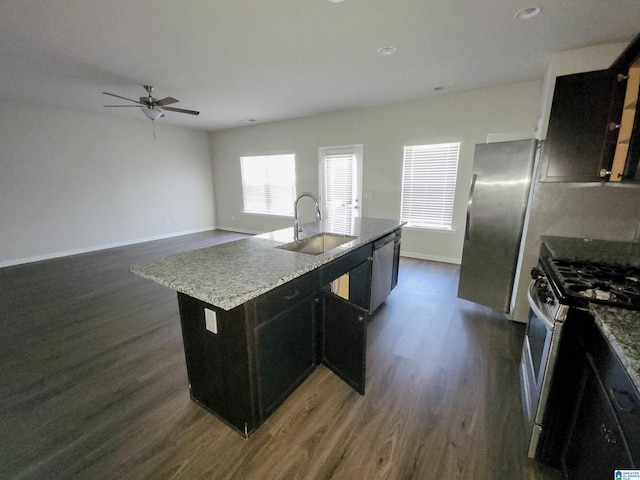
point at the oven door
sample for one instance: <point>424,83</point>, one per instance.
<point>535,366</point>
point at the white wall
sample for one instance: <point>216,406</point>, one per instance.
<point>73,182</point>
<point>466,116</point>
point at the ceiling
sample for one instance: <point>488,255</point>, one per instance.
<point>265,60</point>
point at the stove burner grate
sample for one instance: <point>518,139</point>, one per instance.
<point>616,285</point>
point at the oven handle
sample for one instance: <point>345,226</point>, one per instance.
<point>533,303</point>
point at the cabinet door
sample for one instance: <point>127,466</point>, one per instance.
<point>285,353</point>
<point>344,340</point>
<point>360,285</point>
<point>579,140</point>
<point>218,363</point>
<point>632,167</point>
<point>396,265</point>
<point>596,446</point>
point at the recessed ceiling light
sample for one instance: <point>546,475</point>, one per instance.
<point>386,51</point>
<point>251,120</point>
<point>528,12</point>
<point>336,1</point>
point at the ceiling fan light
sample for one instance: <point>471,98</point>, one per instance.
<point>528,12</point>
<point>151,114</point>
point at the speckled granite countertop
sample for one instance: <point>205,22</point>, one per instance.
<point>622,329</point>
<point>230,274</point>
<point>605,251</point>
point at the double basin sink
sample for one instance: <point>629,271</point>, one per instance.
<point>317,244</point>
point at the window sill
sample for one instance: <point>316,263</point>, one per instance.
<point>429,230</point>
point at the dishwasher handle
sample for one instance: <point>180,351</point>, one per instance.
<point>383,241</point>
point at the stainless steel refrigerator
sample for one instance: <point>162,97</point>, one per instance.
<point>498,199</point>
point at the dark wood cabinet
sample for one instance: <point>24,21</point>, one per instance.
<point>594,125</point>
<point>396,259</point>
<point>285,349</point>
<point>360,284</point>
<point>218,366</point>
<point>596,446</point>
<point>582,132</point>
<point>344,340</point>
<point>604,430</point>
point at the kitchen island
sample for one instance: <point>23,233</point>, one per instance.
<point>257,318</point>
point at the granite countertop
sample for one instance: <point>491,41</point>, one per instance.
<point>586,249</point>
<point>229,274</point>
<point>621,327</point>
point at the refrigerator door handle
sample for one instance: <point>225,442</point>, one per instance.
<point>467,234</point>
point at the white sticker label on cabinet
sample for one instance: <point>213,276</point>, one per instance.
<point>211,320</point>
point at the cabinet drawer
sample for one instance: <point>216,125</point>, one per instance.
<point>344,264</point>
<point>273,303</point>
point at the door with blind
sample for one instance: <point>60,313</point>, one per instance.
<point>341,186</point>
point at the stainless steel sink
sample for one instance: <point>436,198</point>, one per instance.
<point>317,244</point>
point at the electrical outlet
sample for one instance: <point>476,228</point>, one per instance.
<point>211,320</point>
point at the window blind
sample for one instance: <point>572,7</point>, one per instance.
<point>338,181</point>
<point>429,185</point>
<point>268,184</point>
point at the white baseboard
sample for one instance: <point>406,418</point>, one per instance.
<point>95,248</point>
<point>434,258</point>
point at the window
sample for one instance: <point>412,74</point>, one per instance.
<point>429,185</point>
<point>268,184</point>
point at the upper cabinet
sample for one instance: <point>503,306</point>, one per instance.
<point>593,133</point>
<point>580,142</point>
<point>627,154</point>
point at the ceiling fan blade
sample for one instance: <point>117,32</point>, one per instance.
<point>181,110</point>
<point>166,101</point>
<point>123,98</point>
<point>134,106</point>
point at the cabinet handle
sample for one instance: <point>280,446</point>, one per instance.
<point>292,296</point>
<point>621,400</point>
<point>604,172</point>
<point>614,126</point>
<point>360,318</point>
<point>622,77</point>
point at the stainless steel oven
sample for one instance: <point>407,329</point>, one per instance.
<point>539,354</point>
<point>561,289</point>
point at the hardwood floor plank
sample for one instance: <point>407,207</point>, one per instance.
<point>93,385</point>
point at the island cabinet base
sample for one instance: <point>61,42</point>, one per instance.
<point>243,363</point>
<point>219,365</point>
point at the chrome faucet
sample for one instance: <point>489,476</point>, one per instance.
<point>297,228</point>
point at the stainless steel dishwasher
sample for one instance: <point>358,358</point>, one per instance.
<point>382,270</point>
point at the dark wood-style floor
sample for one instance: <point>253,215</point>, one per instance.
<point>93,385</point>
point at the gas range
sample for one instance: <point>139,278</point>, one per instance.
<point>577,283</point>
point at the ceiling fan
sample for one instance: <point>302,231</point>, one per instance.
<point>152,107</point>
